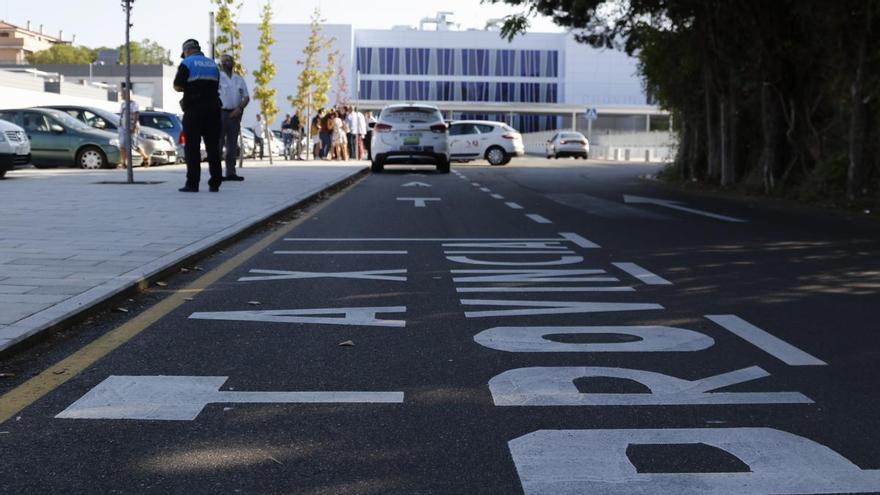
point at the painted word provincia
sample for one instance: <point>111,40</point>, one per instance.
<point>563,461</point>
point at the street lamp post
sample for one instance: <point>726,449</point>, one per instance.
<point>126,4</point>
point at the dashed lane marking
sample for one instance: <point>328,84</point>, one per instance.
<point>538,218</point>
<point>515,206</point>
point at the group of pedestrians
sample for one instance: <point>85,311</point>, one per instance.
<point>341,133</point>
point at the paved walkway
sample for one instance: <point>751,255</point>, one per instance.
<point>68,243</point>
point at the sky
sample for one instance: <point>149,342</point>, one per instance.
<point>170,22</point>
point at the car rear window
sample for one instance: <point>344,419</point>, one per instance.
<point>570,136</point>
<point>415,115</point>
<point>157,121</point>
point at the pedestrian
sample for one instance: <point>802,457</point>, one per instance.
<point>327,134</point>
<point>351,123</point>
<point>287,136</point>
<point>297,136</point>
<point>361,132</point>
<point>234,98</point>
<point>259,131</point>
<point>340,140</point>
<point>198,78</point>
<point>129,140</point>
<point>368,139</point>
<point>316,134</point>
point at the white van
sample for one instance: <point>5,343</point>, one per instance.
<point>15,147</point>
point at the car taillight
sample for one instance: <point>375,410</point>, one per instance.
<point>382,127</point>
<point>439,128</point>
<point>182,140</point>
<point>510,135</point>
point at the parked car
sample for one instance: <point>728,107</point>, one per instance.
<point>158,145</point>
<point>497,142</point>
<point>15,147</point>
<point>248,145</point>
<point>171,124</point>
<point>568,143</point>
<point>59,139</point>
<point>410,133</point>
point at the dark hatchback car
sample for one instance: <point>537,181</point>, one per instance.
<point>57,139</point>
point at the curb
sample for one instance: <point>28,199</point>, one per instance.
<point>73,310</point>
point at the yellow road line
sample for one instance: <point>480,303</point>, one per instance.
<point>56,375</point>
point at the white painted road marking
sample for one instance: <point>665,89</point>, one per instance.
<point>579,240</point>
<point>496,196</point>
<point>555,386</point>
<point>538,218</point>
<point>515,206</point>
<point>293,275</point>
<point>535,308</point>
<point>561,260</point>
<point>476,184</point>
<point>416,184</point>
<point>642,274</point>
<point>182,398</point>
<point>341,252</point>
<point>485,189</point>
<point>576,462</point>
<point>462,290</point>
<point>560,251</point>
<point>419,202</point>
<point>770,344</point>
<point>530,276</point>
<point>318,316</point>
<point>421,239</point>
<point>676,205</point>
<point>650,339</point>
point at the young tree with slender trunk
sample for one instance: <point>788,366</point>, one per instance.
<point>229,39</point>
<point>313,88</point>
<point>264,75</point>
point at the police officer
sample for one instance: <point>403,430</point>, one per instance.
<point>198,79</point>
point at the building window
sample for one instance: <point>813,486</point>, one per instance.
<point>445,61</point>
<point>417,60</point>
<point>389,60</point>
<point>475,62</point>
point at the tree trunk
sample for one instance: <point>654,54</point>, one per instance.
<point>712,158</point>
<point>731,122</point>
<point>857,126</point>
<point>724,130</point>
<point>770,131</point>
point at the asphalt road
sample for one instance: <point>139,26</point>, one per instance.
<point>704,346</point>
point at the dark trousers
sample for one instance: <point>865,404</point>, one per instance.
<point>258,141</point>
<point>202,121</point>
<point>229,138</point>
<point>352,146</point>
<point>368,142</point>
<point>326,142</point>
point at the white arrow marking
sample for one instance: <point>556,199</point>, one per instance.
<point>416,184</point>
<point>182,398</point>
<point>315,316</point>
<point>676,205</point>
<point>419,202</point>
<point>289,275</point>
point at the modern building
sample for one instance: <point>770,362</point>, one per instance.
<point>16,43</point>
<point>536,82</point>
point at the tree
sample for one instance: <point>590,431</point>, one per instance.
<point>313,89</point>
<point>264,75</point>
<point>781,95</point>
<point>63,54</point>
<point>229,39</point>
<point>341,83</point>
<point>146,52</point>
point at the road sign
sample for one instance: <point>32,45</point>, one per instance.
<point>592,113</point>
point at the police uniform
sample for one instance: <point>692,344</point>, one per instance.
<point>199,77</point>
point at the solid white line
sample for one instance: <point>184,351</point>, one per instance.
<point>558,251</point>
<point>579,240</point>
<point>642,274</point>
<point>544,289</point>
<point>515,206</point>
<point>341,252</point>
<point>538,218</point>
<point>770,344</point>
<point>496,196</point>
<point>417,239</point>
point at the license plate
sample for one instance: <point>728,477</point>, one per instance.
<point>22,150</point>
<point>410,148</point>
<point>411,137</point>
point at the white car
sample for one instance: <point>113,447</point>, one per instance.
<point>15,147</point>
<point>410,133</point>
<point>497,142</point>
<point>568,143</point>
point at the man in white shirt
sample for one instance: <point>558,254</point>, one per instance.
<point>128,140</point>
<point>352,122</point>
<point>233,98</point>
<point>259,133</point>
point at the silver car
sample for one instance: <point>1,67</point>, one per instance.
<point>568,143</point>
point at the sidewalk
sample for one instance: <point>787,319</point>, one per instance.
<point>68,243</point>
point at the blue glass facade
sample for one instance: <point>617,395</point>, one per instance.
<point>457,62</point>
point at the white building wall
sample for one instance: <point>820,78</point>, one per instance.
<point>595,77</point>
<point>290,39</point>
